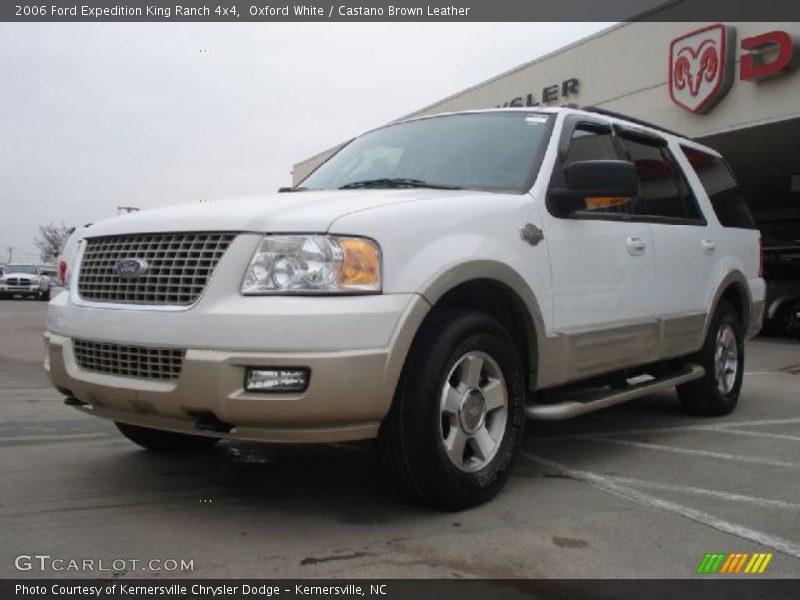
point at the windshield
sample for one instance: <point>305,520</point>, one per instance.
<point>480,151</point>
<point>29,269</point>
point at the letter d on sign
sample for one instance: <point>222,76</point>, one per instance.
<point>753,65</point>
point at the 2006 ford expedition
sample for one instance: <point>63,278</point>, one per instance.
<point>432,285</point>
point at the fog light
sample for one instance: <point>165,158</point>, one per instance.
<point>285,379</point>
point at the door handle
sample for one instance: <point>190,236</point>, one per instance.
<point>636,245</point>
<point>709,246</point>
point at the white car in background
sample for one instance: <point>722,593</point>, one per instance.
<point>26,280</point>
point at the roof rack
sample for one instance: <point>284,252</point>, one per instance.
<point>616,115</point>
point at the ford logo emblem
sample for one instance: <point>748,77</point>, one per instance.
<point>129,268</point>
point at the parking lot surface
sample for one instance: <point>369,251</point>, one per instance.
<point>640,490</point>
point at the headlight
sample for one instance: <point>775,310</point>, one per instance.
<point>314,264</point>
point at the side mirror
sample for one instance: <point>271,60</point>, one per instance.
<point>593,184</point>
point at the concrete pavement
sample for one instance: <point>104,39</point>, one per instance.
<point>640,490</point>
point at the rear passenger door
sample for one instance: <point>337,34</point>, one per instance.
<point>684,248</point>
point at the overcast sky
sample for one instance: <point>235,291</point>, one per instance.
<point>94,116</point>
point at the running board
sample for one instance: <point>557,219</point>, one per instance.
<point>570,408</point>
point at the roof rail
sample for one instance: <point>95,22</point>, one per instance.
<point>616,115</point>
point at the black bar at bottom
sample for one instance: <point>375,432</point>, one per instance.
<point>703,587</point>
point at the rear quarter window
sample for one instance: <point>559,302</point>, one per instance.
<point>727,199</point>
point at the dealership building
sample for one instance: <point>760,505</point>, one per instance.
<point>732,86</point>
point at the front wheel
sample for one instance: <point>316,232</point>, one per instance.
<point>44,295</point>
<point>162,441</point>
<point>458,417</point>
<point>722,357</point>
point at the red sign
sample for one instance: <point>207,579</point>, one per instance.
<point>770,54</point>
<point>701,63</point>
<point>701,67</point>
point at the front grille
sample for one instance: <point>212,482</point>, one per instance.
<point>128,361</point>
<point>178,267</point>
<point>18,281</point>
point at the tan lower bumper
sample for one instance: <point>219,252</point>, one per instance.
<point>756,319</point>
<point>348,395</point>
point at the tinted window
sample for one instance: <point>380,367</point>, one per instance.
<point>486,151</point>
<point>595,142</point>
<point>730,204</point>
<point>591,143</point>
<point>663,193</point>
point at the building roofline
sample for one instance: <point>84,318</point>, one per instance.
<point>637,17</point>
<point>521,67</point>
<point>466,90</point>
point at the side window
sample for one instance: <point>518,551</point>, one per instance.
<point>591,142</point>
<point>595,142</point>
<point>663,192</point>
<point>727,199</point>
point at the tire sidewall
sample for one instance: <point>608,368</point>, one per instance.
<point>725,315</point>
<point>475,332</point>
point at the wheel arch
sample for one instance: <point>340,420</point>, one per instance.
<point>499,291</point>
<point>734,289</point>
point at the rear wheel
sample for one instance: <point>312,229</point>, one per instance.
<point>784,318</point>
<point>458,416</point>
<point>158,440</point>
<point>722,357</point>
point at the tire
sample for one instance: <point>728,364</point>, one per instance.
<point>717,392</point>
<point>44,296</point>
<point>467,354</point>
<point>167,442</point>
<point>783,319</point>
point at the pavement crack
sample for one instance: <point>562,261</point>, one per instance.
<point>312,560</point>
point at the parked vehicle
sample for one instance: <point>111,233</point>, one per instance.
<point>432,285</point>
<point>25,280</point>
<point>51,272</point>
<point>793,326</point>
<point>782,273</point>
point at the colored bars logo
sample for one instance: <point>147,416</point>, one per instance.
<point>734,563</point>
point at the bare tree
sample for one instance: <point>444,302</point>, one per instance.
<point>50,240</point>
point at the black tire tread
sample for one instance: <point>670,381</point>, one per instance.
<point>701,397</point>
<point>396,441</point>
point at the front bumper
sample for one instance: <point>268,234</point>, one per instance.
<point>20,290</point>
<point>352,382</point>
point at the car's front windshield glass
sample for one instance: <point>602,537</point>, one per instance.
<point>29,269</point>
<point>480,151</point>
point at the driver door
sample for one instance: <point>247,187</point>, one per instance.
<point>602,267</point>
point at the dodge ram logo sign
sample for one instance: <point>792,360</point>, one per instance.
<point>129,268</point>
<point>701,67</point>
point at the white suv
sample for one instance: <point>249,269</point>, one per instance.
<point>431,285</point>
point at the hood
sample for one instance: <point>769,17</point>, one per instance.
<point>300,212</point>
<point>21,274</point>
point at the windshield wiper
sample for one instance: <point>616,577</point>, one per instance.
<point>397,182</point>
<point>284,190</point>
